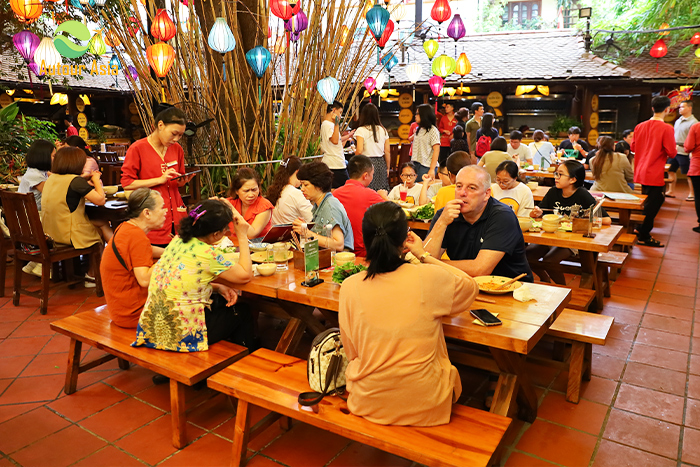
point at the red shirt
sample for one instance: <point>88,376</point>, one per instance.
<point>412,131</point>
<point>654,142</point>
<point>143,162</point>
<point>692,146</point>
<point>446,124</point>
<point>356,198</point>
<point>71,131</point>
<point>259,205</point>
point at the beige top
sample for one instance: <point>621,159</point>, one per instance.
<point>391,327</point>
<point>65,227</point>
<point>615,175</point>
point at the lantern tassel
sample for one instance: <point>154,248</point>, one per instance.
<point>414,93</point>
<point>162,92</point>
<point>259,94</point>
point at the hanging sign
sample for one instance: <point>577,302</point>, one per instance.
<point>594,103</point>
<point>405,100</point>
<point>494,99</point>
<point>594,119</point>
<point>135,120</point>
<point>82,119</point>
<point>133,109</point>
<point>5,100</point>
<point>593,137</point>
<point>80,104</point>
<point>404,131</point>
<point>83,133</point>
<point>405,116</point>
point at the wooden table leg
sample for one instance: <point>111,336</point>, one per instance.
<point>240,434</point>
<point>573,389</point>
<point>291,336</point>
<point>304,313</point>
<point>625,219</point>
<point>177,409</point>
<point>513,381</point>
<point>590,279</point>
<point>73,368</point>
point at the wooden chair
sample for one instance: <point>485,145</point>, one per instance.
<point>30,244</point>
<point>5,247</point>
<point>118,149</point>
<point>106,156</point>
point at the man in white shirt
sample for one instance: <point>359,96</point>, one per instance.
<point>332,144</point>
<point>682,159</point>
<point>519,152</point>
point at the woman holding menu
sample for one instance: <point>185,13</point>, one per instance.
<point>158,162</point>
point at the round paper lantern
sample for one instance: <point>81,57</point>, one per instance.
<point>463,67</point>
<point>431,47</point>
<point>456,29</point>
<point>28,10</point>
<point>441,11</point>
<point>444,66</point>
<point>163,27</point>
<point>659,49</point>
<point>97,45</point>
<point>379,80</point>
<point>298,23</point>
<point>328,87</point>
<point>259,59</point>
<point>389,61</point>
<point>377,19</point>
<point>414,72</point>
<point>294,36</point>
<point>134,26</point>
<point>697,53</point>
<point>695,39</point>
<point>114,62</point>
<point>36,69</point>
<point>436,84</point>
<point>664,26</point>
<point>46,54</point>
<point>26,42</point>
<point>370,84</point>
<point>284,9</point>
<point>221,37</point>
<point>112,40</point>
<point>398,12</point>
<point>388,31</point>
<point>161,57</point>
<point>132,71</point>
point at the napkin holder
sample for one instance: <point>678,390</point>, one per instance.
<point>324,259</point>
<point>580,224</point>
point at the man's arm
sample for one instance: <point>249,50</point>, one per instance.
<point>669,143</point>
<point>433,242</point>
<point>483,265</point>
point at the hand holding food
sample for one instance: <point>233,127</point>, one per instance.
<point>536,212</point>
<point>451,211</point>
<point>415,245</point>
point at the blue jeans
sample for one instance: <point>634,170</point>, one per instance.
<point>420,171</point>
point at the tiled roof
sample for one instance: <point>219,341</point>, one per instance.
<point>669,67</point>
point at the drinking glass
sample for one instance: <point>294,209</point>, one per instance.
<point>280,254</point>
<point>403,192</point>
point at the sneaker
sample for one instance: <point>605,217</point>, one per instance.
<point>89,285</point>
<point>29,267</point>
<point>38,270</point>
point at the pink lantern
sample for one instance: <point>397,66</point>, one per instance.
<point>370,83</point>
<point>436,83</point>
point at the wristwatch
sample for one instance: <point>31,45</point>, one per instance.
<point>423,257</point>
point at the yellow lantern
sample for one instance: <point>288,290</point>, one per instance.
<point>97,44</point>
<point>464,66</point>
<point>27,10</point>
<point>431,47</point>
<point>451,91</point>
<point>544,90</point>
<point>524,89</point>
<point>444,65</point>
<point>664,26</point>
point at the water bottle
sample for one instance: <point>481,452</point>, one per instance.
<point>328,233</point>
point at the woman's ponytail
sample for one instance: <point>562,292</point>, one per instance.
<point>384,230</point>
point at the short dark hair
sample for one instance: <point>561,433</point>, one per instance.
<point>576,170</point>
<point>408,164</point>
<point>318,174</point>
<point>626,133</point>
<point>574,130</point>
<point>333,106</point>
<point>384,230</point>
<point>499,143</point>
<point>39,155</point>
<point>206,218</point>
<point>140,199</point>
<point>509,167</point>
<point>171,116</point>
<point>68,118</point>
<point>476,105</point>
<point>538,135</point>
<point>358,165</point>
<point>461,114</point>
<point>660,103</point>
<point>243,175</point>
<point>69,160</point>
<point>515,134</point>
<point>456,161</point>
<point>458,132</point>
<point>78,142</point>
<point>689,103</point>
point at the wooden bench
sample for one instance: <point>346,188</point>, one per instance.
<point>626,241</point>
<point>581,330</point>
<point>609,266</point>
<point>273,381</point>
<point>581,299</point>
<point>95,328</point>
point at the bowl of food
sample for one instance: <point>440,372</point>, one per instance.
<point>551,218</point>
<point>266,269</point>
<point>344,257</point>
<point>551,169</point>
<point>550,227</point>
<point>525,223</point>
<point>110,190</point>
<point>490,284</point>
<point>532,185</point>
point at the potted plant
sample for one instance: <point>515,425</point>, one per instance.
<point>96,132</point>
<point>561,124</point>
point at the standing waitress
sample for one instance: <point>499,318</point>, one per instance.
<point>155,162</point>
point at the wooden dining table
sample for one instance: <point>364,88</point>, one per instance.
<point>114,210</point>
<point>548,174</point>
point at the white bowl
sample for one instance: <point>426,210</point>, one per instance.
<point>267,269</point>
<point>110,190</point>
<point>344,257</point>
<point>258,246</point>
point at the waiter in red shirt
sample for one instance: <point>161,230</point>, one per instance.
<point>654,142</point>
<point>157,162</point>
<point>356,197</point>
<point>70,129</point>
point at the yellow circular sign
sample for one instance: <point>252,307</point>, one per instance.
<point>133,109</point>
<point>594,103</point>
<point>404,131</point>
<point>82,119</point>
<point>494,99</point>
<point>135,120</point>
<point>593,120</point>
<point>5,100</point>
<point>83,133</point>
<point>593,137</point>
<point>80,104</point>
<point>405,100</point>
<point>497,112</point>
<point>405,116</point>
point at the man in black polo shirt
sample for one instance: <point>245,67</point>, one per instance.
<point>480,234</point>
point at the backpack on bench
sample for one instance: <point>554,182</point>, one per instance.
<point>325,368</point>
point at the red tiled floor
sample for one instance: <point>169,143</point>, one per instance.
<point>623,331</point>
<point>694,386</point>
<point>49,364</point>
<point>11,367</point>
<point>669,359</point>
<point>86,402</point>
<point>33,389</point>
<point>617,455</point>
<point>691,446</point>
<point>210,450</point>
<point>359,454</point>
<point>652,377</point>
<point>685,313</point>
<point>663,339</point>
<point>585,416</point>
<point>676,289</point>
<point>59,449</point>
<point>519,459</point>
<point>643,433</point>
<point>109,456</point>
<point>669,299</point>
<point>667,324</point>
<point>132,381</point>
<point>642,401</point>
<point>305,445</point>
<point>25,429</point>
<point>557,444</point>
<point>22,346</point>
<point>153,442</point>
<point>121,419</point>
<point>212,412</point>
<point>623,316</point>
<point>607,367</point>
<point>616,348</point>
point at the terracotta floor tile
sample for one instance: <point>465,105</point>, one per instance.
<point>367,456</point>
<point>692,413</point>
<point>59,449</point>
<point>33,328</point>
<point>263,439</point>
<point>663,339</point>
<point>619,290</point>
<point>17,313</point>
<point>49,364</point>
<point>598,390</point>
<point>7,328</point>
<point>660,309</point>
<point>109,456</point>
<point>557,444</point>
<point>541,375</point>
<point>671,268</point>
<point>607,367</point>
<point>623,316</point>
<point>655,404</point>
<point>672,278</point>
<point>22,346</point>
<point>691,446</point>
<point>650,355</point>
<point>11,367</point>
<point>261,461</point>
<point>207,451</point>
<point>643,433</point>
<point>158,396</point>
<point>670,299</point>
<point>675,289</point>
<point>212,412</point>
<point>519,459</point>
<point>86,402</point>
<point>694,365</point>
<point>634,283</point>
<point>694,386</point>
<point>637,274</point>
<point>625,303</point>
<point>585,416</point>
<point>153,442</point>
<point>612,454</point>
<point>616,348</point>
<point>58,344</point>
<point>8,412</point>
<point>668,324</point>
<point>305,445</point>
<point>29,427</point>
<point>132,381</point>
<point>121,419</point>
<point>659,379</point>
<point>33,389</point>
<point>623,331</point>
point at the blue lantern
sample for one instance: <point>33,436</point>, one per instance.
<point>328,87</point>
<point>389,61</point>
<point>377,18</point>
<point>259,59</point>
<point>114,62</point>
<point>221,38</point>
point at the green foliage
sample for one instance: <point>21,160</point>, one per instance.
<point>562,123</point>
<point>340,273</point>
<point>96,130</point>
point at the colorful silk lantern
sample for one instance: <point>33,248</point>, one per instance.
<point>456,29</point>
<point>695,39</point>
<point>284,9</point>
<point>389,61</point>
<point>659,49</point>
<point>97,44</point>
<point>377,19</point>
<point>441,11</point>
<point>398,12</point>
<point>161,57</point>
<point>36,69</point>
<point>221,37</point>
<point>26,42</point>
<point>132,71</point>
<point>298,23</point>
<point>259,59</point>
<point>524,89</point>
<point>370,84</point>
<point>328,87</point>
<point>414,71</point>
<point>294,37</point>
<point>163,27</point>
<point>444,66</point>
<point>436,83</point>
<point>544,90</point>
<point>431,47</point>
<point>28,10</point>
<point>697,53</point>
<point>344,33</point>
<point>463,66</point>
<point>46,54</point>
<point>379,80</point>
<point>388,31</point>
<point>112,40</point>
<point>114,62</point>
<point>134,26</point>
<point>280,46</point>
<point>664,26</point>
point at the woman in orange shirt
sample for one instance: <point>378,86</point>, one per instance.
<point>245,197</point>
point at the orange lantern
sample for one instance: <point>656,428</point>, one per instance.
<point>464,67</point>
<point>112,40</point>
<point>664,26</point>
<point>280,45</point>
<point>163,27</point>
<point>161,57</point>
<point>344,31</point>
<point>27,10</point>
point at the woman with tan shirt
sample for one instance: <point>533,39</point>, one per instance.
<point>399,372</point>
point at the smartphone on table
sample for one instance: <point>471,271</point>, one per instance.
<point>485,317</point>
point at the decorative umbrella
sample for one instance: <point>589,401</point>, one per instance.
<point>328,87</point>
<point>259,59</point>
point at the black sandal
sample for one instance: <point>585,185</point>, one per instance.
<point>651,241</point>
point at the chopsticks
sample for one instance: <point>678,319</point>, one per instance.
<point>506,284</point>
<point>484,299</point>
<point>295,241</point>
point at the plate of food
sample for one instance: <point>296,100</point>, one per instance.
<point>488,284</point>
<point>261,256</point>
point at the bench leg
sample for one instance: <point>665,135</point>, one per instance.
<point>573,388</point>
<point>123,364</point>
<point>73,368</point>
<point>587,362</point>
<point>505,394</point>
<point>177,409</point>
<point>240,434</point>
<point>291,336</point>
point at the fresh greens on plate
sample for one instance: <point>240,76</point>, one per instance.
<point>342,272</point>
<point>425,212</point>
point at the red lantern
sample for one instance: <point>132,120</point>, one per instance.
<point>441,11</point>
<point>388,31</point>
<point>134,26</point>
<point>163,27</point>
<point>695,40</point>
<point>436,84</point>
<point>659,49</point>
<point>27,10</point>
<point>161,57</point>
<point>284,9</point>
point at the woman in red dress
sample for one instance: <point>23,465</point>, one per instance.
<point>157,162</point>
<point>245,197</point>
